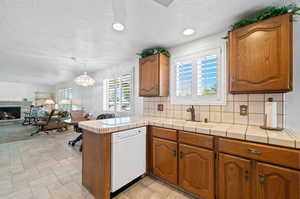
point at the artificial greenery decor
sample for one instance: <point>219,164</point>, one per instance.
<point>149,52</point>
<point>63,114</point>
<point>266,14</point>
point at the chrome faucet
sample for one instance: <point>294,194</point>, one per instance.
<point>192,111</point>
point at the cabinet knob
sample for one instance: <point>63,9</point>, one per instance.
<point>181,154</point>
<point>261,178</point>
<point>247,175</point>
<point>174,153</point>
<point>233,80</point>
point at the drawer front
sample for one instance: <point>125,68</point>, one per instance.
<point>168,134</point>
<point>266,153</point>
<point>195,139</point>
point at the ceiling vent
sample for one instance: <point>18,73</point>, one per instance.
<point>165,3</point>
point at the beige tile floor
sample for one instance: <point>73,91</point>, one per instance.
<point>149,188</point>
<point>45,167</point>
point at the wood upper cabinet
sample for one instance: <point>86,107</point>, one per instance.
<point>261,56</point>
<point>196,170</point>
<point>164,159</point>
<point>277,182</point>
<point>154,76</point>
<point>234,177</point>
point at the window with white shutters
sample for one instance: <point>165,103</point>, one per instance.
<point>118,93</point>
<point>199,78</point>
<point>64,99</point>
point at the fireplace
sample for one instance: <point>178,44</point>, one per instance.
<point>10,113</point>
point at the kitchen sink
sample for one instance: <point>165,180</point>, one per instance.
<point>201,124</point>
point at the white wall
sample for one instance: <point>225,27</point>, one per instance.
<point>15,91</point>
<point>293,98</point>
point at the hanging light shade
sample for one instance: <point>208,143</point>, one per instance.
<point>84,80</point>
<point>49,102</point>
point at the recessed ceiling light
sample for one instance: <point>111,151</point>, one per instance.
<point>118,26</point>
<point>188,32</point>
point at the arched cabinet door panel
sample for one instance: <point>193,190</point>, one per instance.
<point>234,177</point>
<point>196,170</point>
<point>164,159</point>
<point>277,182</point>
<point>261,56</point>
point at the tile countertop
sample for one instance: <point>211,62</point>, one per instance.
<point>287,138</point>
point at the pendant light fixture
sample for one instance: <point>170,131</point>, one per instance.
<point>84,80</point>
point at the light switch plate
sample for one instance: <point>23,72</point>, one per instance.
<point>243,110</point>
<point>160,107</point>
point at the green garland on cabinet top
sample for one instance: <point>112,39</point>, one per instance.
<point>153,51</point>
<point>266,14</point>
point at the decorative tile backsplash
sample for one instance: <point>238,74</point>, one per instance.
<point>230,113</point>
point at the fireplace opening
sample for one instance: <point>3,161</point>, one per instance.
<point>10,113</point>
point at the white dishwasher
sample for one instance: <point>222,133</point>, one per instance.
<point>128,156</point>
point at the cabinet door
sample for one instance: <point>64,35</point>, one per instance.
<point>277,183</point>
<point>196,170</point>
<point>234,177</point>
<point>149,76</point>
<point>261,56</point>
<point>164,159</point>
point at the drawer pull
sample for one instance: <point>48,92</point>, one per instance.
<point>261,179</point>
<point>253,151</point>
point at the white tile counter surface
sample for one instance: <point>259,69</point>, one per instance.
<point>287,138</point>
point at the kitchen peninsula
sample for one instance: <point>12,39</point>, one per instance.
<point>174,146</point>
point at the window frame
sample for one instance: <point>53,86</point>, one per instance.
<point>221,97</point>
<point>106,97</point>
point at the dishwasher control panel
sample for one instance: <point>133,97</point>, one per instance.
<point>127,134</point>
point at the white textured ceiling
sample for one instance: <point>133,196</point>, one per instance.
<point>38,37</point>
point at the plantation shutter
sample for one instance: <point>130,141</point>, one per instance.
<point>199,77</point>
<point>207,75</point>
<point>184,77</point>
<point>124,85</point>
<point>111,95</point>
<point>119,93</point>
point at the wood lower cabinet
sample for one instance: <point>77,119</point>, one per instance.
<point>238,179</point>
<point>261,56</point>
<point>96,164</point>
<point>277,183</point>
<point>164,159</point>
<point>196,170</point>
<point>234,175</point>
<point>213,167</point>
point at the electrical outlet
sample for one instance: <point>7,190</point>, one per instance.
<point>160,107</point>
<point>243,110</point>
